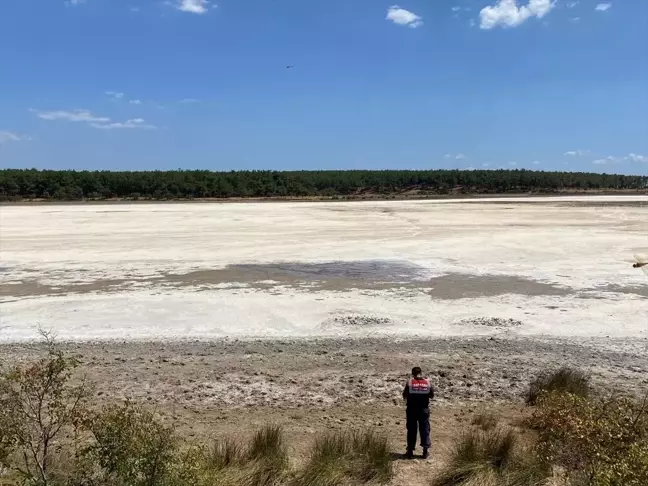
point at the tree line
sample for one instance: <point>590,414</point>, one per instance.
<point>66,185</point>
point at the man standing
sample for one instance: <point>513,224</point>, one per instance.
<point>418,392</point>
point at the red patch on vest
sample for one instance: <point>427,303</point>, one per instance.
<point>419,386</point>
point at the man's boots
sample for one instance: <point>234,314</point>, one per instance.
<point>409,454</point>
<point>425,454</point>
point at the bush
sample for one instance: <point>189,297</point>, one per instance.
<point>566,380</point>
<point>131,445</point>
<point>598,442</point>
<point>347,458</point>
<point>39,405</point>
<point>494,457</point>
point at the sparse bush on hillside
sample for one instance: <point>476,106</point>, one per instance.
<point>564,380</point>
<point>131,446</point>
<point>347,458</point>
<point>598,442</point>
<point>39,405</point>
<point>494,457</point>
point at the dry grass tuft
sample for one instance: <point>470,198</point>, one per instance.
<point>564,380</point>
<point>491,457</point>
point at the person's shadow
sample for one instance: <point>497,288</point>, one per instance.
<point>398,456</point>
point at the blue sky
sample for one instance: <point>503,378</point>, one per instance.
<point>149,84</point>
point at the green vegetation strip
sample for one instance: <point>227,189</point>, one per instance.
<point>77,185</point>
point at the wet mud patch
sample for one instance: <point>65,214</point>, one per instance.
<point>336,276</point>
<point>640,290</point>
<point>361,271</point>
<point>461,286</point>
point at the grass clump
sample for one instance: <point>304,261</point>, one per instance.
<point>485,421</point>
<point>267,457</point>
<point>564,380</point>
<point>347,458</point>
<point>224,453</point>
<point>494,457</point>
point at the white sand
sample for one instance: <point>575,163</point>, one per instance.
<point>579,247</point>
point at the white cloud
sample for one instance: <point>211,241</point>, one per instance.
<point>86,116</point>
<point>401,16</point>
<point>456,8</point>
<point>575,19</point>
<point>189,100</point>
<point>134,123</point>
<point>536,162</point>
<point>135,102</point>
<point>512,163</point>
<point>576,153</point>
<point>7,136</point>
<point>74,3</point>
<point>486,164</point>
<point>602,7</point>
<point>506,13</point>
<point>637,158</point>
<point>572,4</point>
<point>612,159</point>
<point>72,116</point>
<point>193,6</point>
<point>135,9</point>
<point>115,94</point>
<point>456,157</point>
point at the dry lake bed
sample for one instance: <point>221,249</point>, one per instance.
<point>225,317</point>
<point>553,267</point>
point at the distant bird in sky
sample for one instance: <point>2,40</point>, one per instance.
<point>289,66</point>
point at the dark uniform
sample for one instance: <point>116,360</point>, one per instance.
<point>418,393</point>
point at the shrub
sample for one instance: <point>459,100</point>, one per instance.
<point>131,446</point>
<point>599,442</point>
<point>565,380</point>
<point>347,458</point>
<point>39,405</point>
<point>493,457</point>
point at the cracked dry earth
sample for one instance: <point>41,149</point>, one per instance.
<point>231,387</point>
